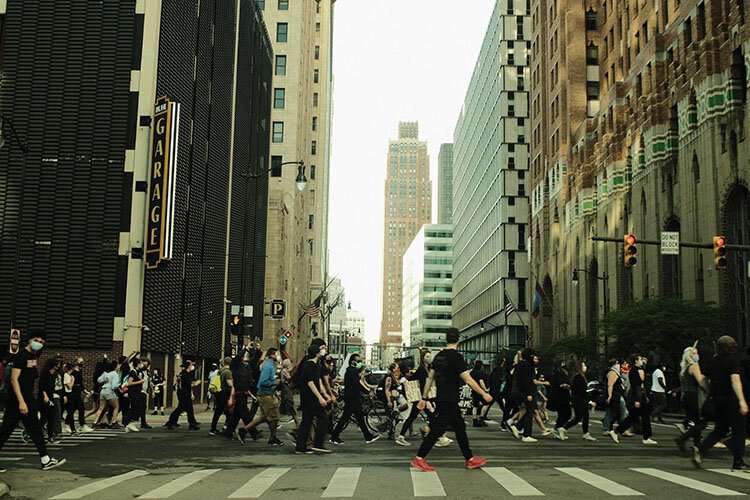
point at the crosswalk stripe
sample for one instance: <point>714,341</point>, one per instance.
<point>426,484</point>
<point>179,484</point>
<point>98,486</point>
<point>511,482</point>
<point>729,472</point>
<point>599,482</point>
<point>260,483</point>
<point>343,483</point>
<point>10,459</point>
<point>688,483</point>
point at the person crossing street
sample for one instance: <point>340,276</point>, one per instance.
<point>268,403</point>
<point>353,391</point>
<point>185,383</point>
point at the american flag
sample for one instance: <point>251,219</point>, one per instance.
<point>313,309</point>
<point>509,309</point>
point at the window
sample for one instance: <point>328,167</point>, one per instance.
<point>279,96</point>
<point>315,99</point>
<point>591,20</point>
<point>276,166</point>
<point>521,294</point>
<point>511,201</point>
<point>278,131</point>
<point>317,52</point>
<point>317,27</point>
<point>314,148</point>
<point>592,91</point>
<point>592,55</point>
<point>510,7</point>
<point>701,21</point>
<point>315,123</point>
<point>310,221</point>
<point>262,4</point>
<point>282,30</point>
<point>280,66</point>
<point>511,110</point>
<point>316,76</point>
<point>283,4</point>
<point>688,32</point>
<point>312,172</point>
<point>519,28</point>
<point>317,7</point>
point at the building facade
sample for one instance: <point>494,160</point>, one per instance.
<point>78,206</point>
<point>427,289</point>
<point>660,147</point>
<point>297,252</point>
<point>408,206</point>
<point>445,184</point>
<point>355,321</point>
<point>490,199</point>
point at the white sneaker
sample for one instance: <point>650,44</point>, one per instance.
<point>131,427</point>
<point>515,432</point>
<point>546,432</point>
<point>614,436</point>
<point>588,437</point>
<point>402,441</point>
<point>86,428</point>
<point>649,441</point>
<point>442,442</point>
<point>528,439</point>
<point>66,429</point>
<point>563,433</point>
<point>681,428</point>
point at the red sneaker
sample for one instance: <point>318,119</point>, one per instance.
<point>476,463</point>
<point>421,464</point>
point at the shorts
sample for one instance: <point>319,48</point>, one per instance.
<point>107,394</point>
<point>269,405</point>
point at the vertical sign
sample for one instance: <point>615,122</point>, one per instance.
<point>15,339</point>
<point>162,182</point>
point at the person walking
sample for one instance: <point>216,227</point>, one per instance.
<point>242,392</point>
<point>267,400</point>
<point>185,383</point>
<point>221,398</point>
<point>135,393</point>
<point>158,386</point>
<point>638,403</point>
<point>353,391</point>
<point>313,401</point>
<point>46,395</point>
<point>145,372</point>
<point>480,377</point>
<point>495,383</point>
<point>580,400</point>
<point>658,393</point>
<point>22,404</point>
<point>693,387</point>
<point>420,375</point>
<point>287,394</point>
<point>109,383</point>
<point>450,373</point>
<point>731,407</point>
<point>76,399</point>
<point>560,398</point>
<point>209,396</point>
<point>614,395</point>
<point>524,392</point>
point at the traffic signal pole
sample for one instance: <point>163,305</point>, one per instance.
<point>686,244</point>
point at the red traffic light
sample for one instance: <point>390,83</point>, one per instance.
<point>236,319</point>
<point>630,250</point>
<point>720,241</point>
<point>630,239</point>
<point>720,252</point>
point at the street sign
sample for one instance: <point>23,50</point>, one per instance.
<point>670,243</point>
<point>283,340</point>
<point>235,310</point>
<point>288,334</point>
<point>278,309</point>
<point>247,311</point>
<point>15,339</point>
<point>353,348</point>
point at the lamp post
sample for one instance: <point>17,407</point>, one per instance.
<point>24,148</point>
<point>301,182</point>
<point>481,329</point>
<point>604,278</point>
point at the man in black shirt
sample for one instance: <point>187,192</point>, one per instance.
<point>524,392</point>
<point>244,386</point>
<point>353,391</point>
<point>135,393</point>
<point>185,383</point>
<point>313,400</point>
<point>731,407</point>
<point>450,373</point>
<point>480,377</point>
<point>22,402</point>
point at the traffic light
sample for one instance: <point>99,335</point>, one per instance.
<point>630,250</point>
<point>234,326</point>
<point>720,252</point>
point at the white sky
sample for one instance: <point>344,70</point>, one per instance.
<point>393,60</point>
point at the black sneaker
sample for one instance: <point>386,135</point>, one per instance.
<point>53,462</point>
<point>372,439</point>
<point>306,451</point>
<point>275,442</point>
<point>681,444</point>
<point>169,426</point>
<point>213,432</point>
<point>146,426</point>
<point>336,441</point>
<point>697,458</point>
<point>741,467</point>
<point>241,434</point>
<point>320,449</point>
<point>255,434</point>
<point>194,427</point>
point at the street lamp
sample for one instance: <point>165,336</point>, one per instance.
<point>605,278</point>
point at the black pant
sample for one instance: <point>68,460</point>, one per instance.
<point>413,414</point>
<point>184,404</point>
<point>240,412</point>
<point>727,416</point>
<point>75,403</point>
<point>447,414</point>
<point>48,414</point>
<point>581,407</point>
<point>158,400</point>
<point>659,400</point>
<point>137,406</point>
<point>694,423</point>
<point>528,418</point>
<point>563,413</point>
<point>220,406</point>
<point>308,414</point>
<point>644,414</point>
<point>30,423</point>
<point>355,408</point>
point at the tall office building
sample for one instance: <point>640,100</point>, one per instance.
<point>408,206</point>
<point>445,184</point>
<point>355,321</point>
<point>490,202</point>
<point>427,276</point>
<point>297,251</point>
<point>639,126</point>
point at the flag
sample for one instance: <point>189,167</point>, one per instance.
<point>538,296</point>
<point>313,309</point>
<point>509,309</point>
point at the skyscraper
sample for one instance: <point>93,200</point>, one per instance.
<point>445,184</point>
<point>408,206</point>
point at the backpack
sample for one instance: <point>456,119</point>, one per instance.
<point>215,385</point>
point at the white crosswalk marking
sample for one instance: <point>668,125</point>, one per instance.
<point>343,483</point>
<point>687,482</point>
<point>98,486</point>
<point>728,472</point>
<point>260,483</point>
<point>511,482</point>
<point>599,482</point>
<point>426,484</point>
<point>179,484</point>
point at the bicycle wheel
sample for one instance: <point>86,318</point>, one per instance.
<point>377,418</point>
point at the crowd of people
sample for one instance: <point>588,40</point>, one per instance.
<point>256,387</point>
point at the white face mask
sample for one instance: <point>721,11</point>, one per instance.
<point>323,352</point>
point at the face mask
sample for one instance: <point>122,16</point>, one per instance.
<point>36,346</point>
<point>695,358</point>
<point>80,365</point>
<point>323,352</point>
<point>358,365</point>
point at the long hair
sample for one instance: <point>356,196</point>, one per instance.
<point>422,354</point>
<point>687,359</point>
<point>579,370</point>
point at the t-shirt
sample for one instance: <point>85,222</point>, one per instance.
<point>448,366</point>
<point>352,387</point>
<point>720,373</point>
<point>185,382</point>
<point>77,381</point>
<point>67,380</point>
<point>155,381</point>
<point>310,373</point>
<point>478,375</point>
<point>224,375</point>
<point>655,377</point>
<point>135,376</point>
<point>26,361</point>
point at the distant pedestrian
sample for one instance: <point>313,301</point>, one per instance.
<point>524,392</point>
<point>614,395</point>
<point>658,393</point>
<point>268,403</point>
<point>477,401</point>
<point>420,375</point>
<point>560,398</point>
<point>211,374</point>
<point>221,398</point>
<point>158,386</point>
<point>46,398</point>
<point>243,392</point>
<point>288,407</point>
<point>638,403</point>
<point>135,394</point>
<point>450,373</point>
<point>581,403</point>
<point>109,383</point>
<point>313,399</point>
<point>185,383</point>
<point>694,388</point>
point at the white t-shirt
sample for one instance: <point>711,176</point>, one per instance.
<point>67,379</point>
<point>655,377</point>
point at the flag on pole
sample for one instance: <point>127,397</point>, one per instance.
<point>509,309</point>
<point>313,309</point>
<point>538,297</point>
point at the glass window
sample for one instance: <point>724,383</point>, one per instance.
<point>315,123</point>
<point>278,131</point>
<point>316,76</point>
<point>317,52</point>
<point>314,148</point>
<point>262,4</point>
<point>279,96</point>
<point>315,99</point>
<point>282,31</point>
<point>276,166</point>
<point>317,27</point>
<point>312,172</point>
<point>280,65</point>
<point>283,4</point>
<point>592,55</point>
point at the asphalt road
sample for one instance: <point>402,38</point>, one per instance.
<point>193,465</point>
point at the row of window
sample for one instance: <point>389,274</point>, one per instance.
<point>276,162</point>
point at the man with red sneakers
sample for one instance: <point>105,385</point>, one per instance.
<point>450,372</point>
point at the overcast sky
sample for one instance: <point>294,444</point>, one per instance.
<point>393,60</point>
